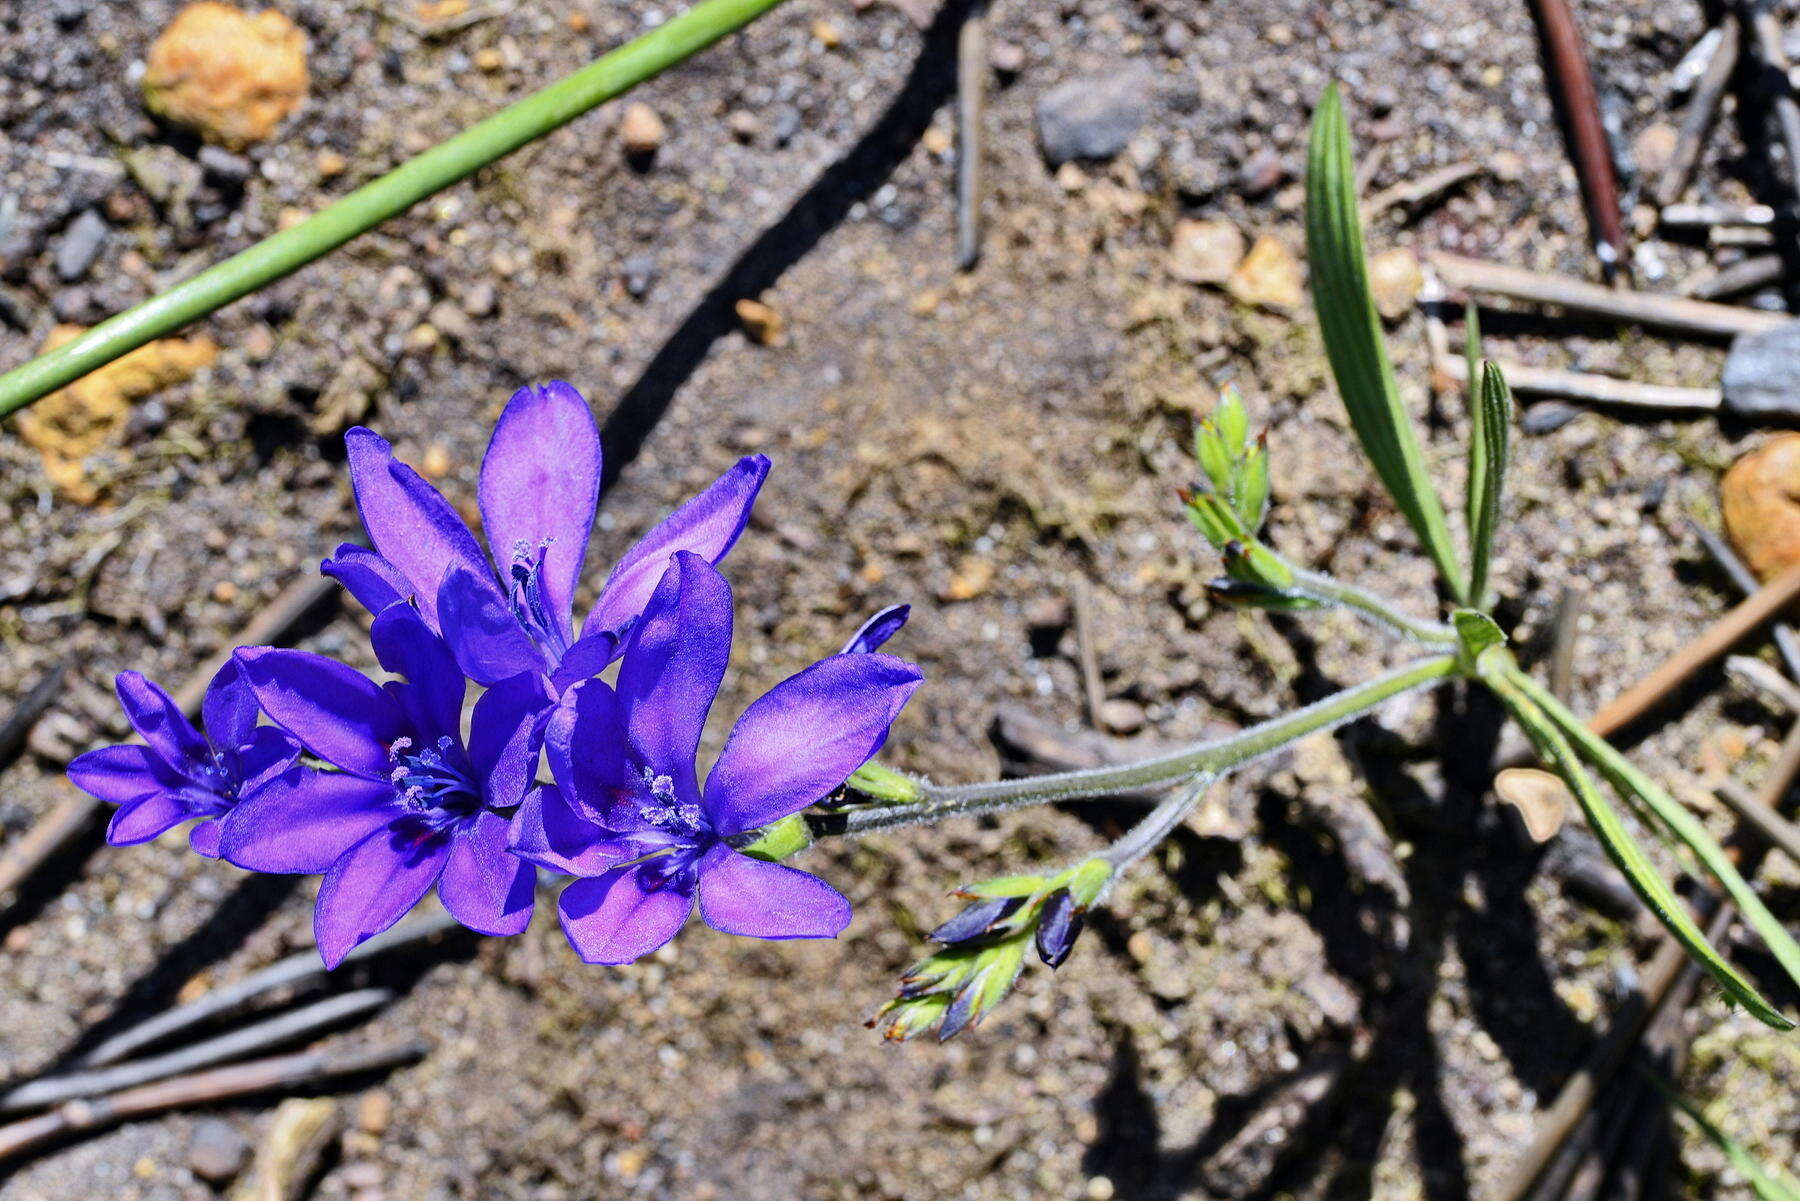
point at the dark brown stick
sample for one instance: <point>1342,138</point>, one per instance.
<point>18,725</point>
<point>1573,81</point>
<point>76,811</point>
<point>285,1028</point>
<point>1678,313</point>
<point>299,1070</point>
<point>1702,110</point>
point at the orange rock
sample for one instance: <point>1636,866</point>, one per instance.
<point>69,425</point>
<point>1270,276</point>
<point>1760,495</point>
<point>227,75</point>
<point>762,323</point>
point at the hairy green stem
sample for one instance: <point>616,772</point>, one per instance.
<point>1156,825</point>
<point>446,163</point>
<point>1214,757</point>
<point>1332,591</point>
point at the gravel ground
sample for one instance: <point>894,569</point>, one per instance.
<point>973,445</point>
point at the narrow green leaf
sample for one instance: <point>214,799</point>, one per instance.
<point>1687,829</point>
<point>1353,336</point>
<point>1769,1184</point>
<point>1518,694</point>
<point>1492,421</point>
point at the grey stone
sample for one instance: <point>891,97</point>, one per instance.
<point>80,245</point>
<point>1093,117</point>
<point>1762,374</point>
<point>222,165</point>
<point>217,1152</point>
<point>640,273</point>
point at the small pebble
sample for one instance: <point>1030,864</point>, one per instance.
<point>762,323</point>
<point>80,245</point>
<point>217,1152</point>
<point>641,131</point>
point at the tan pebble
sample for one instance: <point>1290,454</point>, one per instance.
<point>1140,946</point>
<point>1654,147</point>
<point>762,323</point>
<point>641,131</point>
<point>1541,798</point>
<point>1395,278</point>
<point>972,577</point>
<point>373,1112</point>
<point>827,34</point>
<point>578,22</point>
<point>423,336</point>
<point>872,573</point>
<point>229,76</point>
<point>225,592</point>
<point>329,163</point>
<point>926,303</point>
<point>1205,252</point>
<point>1760,496</point>
<point>290,216</point>
<point>629,1162</point>
<point>436,463</point>
<point>937,140</point>
<point>489,60</point>
<point>1269,276</point>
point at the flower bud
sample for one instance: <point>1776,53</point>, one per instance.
<point>977,919</point>
<point>1059,925</point>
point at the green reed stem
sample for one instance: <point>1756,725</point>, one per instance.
<point>282,253</point>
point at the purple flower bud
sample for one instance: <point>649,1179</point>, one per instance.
<point>1059,925</point>
<point>976,920</point>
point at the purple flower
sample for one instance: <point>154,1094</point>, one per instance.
<point>629,814</point>
<point>539,483</point>
<point>410,805</point>
<point>178,773</point>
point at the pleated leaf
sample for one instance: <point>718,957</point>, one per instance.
<point>1491,434</point>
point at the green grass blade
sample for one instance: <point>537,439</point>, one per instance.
<point>1769,1184</point>
<point>1353,336</point>
<point>1622,848</point>
<point>1687,829</point>
<point>1493,421</point>
<point>1478,456</point>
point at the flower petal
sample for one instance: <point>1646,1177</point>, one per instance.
<point>371,579</point>
<point>434,688</point>
<point>159,721</point>
<point>548,832</point>
<point>877,630</point>
<point>503,747</point>
<point>228,710</point>
<point>305,819</point>
<point>804,737</point>
<point>267,753</point>
<point>371,886</point>
<point>586,659</point>
<point>143,819</point>
<point>117,774</point>
<point>338,714</point>
<point>482,629</point>
<point>412,526</point>
<point>759,899</point>
<point>204,838</point>
<point>708,525</point>
<point>539,483</point>
<point>621,916</point>
<point>585,745</point>
<point>672,666</point>
<point>484,887</point>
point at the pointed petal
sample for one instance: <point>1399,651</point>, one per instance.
<point>502,738</point>
<point>159,721</point>
<point>305,819</point>
<point>371,886</point>
<point>539,482</point>
<point>338,714</point>
<point>877,630</point>
<point>804,737</point>
<point>708,525</point>
<point>267,753</point>
<point>759,899</point>
<point>117,774</point>
<point>672,666</point>
<point>547,832</point>
<point>412,526</point>
<point>482,629</point>
<point>228,711</point>
<point>145,818</point>
<point>614,918</point>
<point>433,694</point>
<point>485,887</point>
<point>586,659</point>
<point>204,838</point>
<point>371,579</point>
<point>585,745</point>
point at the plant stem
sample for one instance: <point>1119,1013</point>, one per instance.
<point>1215,757</point>
<point>1335,592</point>
<point>1142,838</point>
<point>444,164</point>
